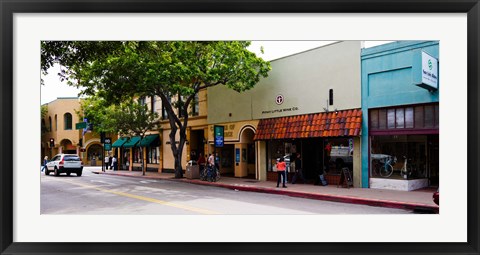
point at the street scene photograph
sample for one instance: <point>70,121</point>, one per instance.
<point>239,128</point>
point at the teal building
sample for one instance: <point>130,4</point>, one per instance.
<point>400,104</point>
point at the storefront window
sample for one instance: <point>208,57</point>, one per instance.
<point>153,153</point>
<point>338,154</point>
<point>276,149</point>
<point>418,117</point>
<point>399,156</point>
<point>137,156</point>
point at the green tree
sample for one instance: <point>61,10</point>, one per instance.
<point>126,118</point>
<point>168,69</point>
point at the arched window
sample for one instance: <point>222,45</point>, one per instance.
<point>44,127</point>
<point>67,120</point>
<point>49,124</point>
<point>56,123</point>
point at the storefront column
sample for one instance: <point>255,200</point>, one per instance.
<point>261,160</point>
<point>160,156</point>
<point>130,165</point>
<point>187,145</point>
<point>357,162</point>
<point>144,156</point>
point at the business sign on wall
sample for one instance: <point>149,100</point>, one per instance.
<point>219,136</point>
<point>426,75</point>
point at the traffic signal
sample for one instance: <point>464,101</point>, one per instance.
<point>102,137</point>
<point>52,142</point>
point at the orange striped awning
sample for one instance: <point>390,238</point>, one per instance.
<point>331,124</point>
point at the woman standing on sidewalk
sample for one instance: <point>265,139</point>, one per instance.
<point>281,166</point>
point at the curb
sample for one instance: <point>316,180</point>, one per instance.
<point>326,197</point>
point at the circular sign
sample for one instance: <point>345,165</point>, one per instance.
<point>279,99</point>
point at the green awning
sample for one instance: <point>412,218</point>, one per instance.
<point>132,142</point>
<point>118,143</point>
<point>147,140</point>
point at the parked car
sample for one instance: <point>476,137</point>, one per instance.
<point>436,197</point>
<point>65,163</point>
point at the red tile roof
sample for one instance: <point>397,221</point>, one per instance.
<point>343,123</point>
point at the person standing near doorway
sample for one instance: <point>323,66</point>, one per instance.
<point>298,170</point>
<point>114,163</point>
<point>107,162</point>
<point>201,163</point>
<point>281,166</point>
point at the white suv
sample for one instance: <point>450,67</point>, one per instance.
<point>65,163</point>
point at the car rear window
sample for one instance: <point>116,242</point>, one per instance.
<point>71,158</point>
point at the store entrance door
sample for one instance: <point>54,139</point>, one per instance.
<point>312,155</point>
<point>433,160</point>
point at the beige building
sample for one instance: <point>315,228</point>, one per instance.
<point>310,101</point>
<point>59,125</point>
<point>155,148</point>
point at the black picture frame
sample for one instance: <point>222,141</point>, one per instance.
<point>8,8</point>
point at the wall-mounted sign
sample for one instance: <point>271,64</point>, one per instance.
<point>279,99</point>
<point>237,155</point>
<point>218,132</point>
<point>425,71</point>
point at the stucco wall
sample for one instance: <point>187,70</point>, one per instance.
<point>304,81</point>
<point>59,107</point>
<point>387,80</point>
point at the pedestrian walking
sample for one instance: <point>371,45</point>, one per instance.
<point>114,164</point>
<point>201,162</point>
<point>211,160</point>
<point>281,166</point>
<point>217,161</point>
<point>45,161</point>
<point>298,170</point>
<point>107,162</point>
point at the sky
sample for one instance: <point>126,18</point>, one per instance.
<point>54,88</point>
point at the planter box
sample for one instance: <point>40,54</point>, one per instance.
<point>393,184</point>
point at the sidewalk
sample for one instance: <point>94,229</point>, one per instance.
<point>409,200</point>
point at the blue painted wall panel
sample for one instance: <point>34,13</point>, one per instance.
<point>387,81</point>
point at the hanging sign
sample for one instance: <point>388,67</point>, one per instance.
<point>425,71</point>
<point>219,137</point>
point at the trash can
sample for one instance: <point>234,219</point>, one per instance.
<point>192,171</point>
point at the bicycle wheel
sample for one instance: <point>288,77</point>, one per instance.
<point>376,169</point>
<point>386,170</point>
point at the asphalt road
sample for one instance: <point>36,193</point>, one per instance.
<point>94,194</point>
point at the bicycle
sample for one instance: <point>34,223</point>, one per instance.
<point>383,166</point>
<point>210,173</point>
<point>406,170</point>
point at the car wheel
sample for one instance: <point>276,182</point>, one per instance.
<point>47,172</point>
<point>55,172</point>
<point>79,173</point>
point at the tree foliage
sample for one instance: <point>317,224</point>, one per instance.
<point>119,71</point>
<point>127,118</point>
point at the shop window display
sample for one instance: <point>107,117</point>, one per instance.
<point>153,153</point>
<point>399,156</point>
<point>338,154</point>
